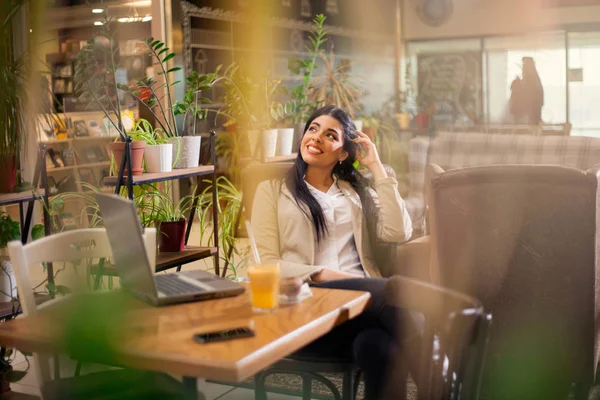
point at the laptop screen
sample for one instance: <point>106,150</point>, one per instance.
<point>125,236</point>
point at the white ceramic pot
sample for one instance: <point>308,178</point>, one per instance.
<point>269,142</point>
<point>159,158</point>
<point>359,124</point>
<point>8,283</point>
<point>254,143</point>
<point>285,141</point>
<point>186,151</point>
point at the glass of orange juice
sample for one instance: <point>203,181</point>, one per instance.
<point>264,287</point>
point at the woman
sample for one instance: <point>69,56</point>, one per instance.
<point>322,224</point>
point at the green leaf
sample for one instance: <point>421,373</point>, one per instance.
<point>174,69</point>
<point>163,51</point>
<point>158,46</point>
<point>167,58</point>
<point>155,43</point>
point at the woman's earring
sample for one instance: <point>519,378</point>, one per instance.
<point>340,162</point>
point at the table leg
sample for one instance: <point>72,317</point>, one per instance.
<point>190,385</point>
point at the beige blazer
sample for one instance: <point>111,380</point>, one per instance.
<point>285,234</point>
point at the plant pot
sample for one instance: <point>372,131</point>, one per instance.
<point>171,236</point>
<point>269,143</point>
<point>8,173</point>
<point>285,141</point>
<point>8,284</point>
<point>159,158</point>
<point>298,133</point>
<point>137,155</point>
<point>254,143</point>
<point>186,151</point>
<point>403,120</point>
<point>370,131</point>
<point>422,121</point>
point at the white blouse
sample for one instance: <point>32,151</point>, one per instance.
<point>337,250</point>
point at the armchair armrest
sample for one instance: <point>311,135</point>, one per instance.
<point>410,259</point>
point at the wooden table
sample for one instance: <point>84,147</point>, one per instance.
<point>160,339</point>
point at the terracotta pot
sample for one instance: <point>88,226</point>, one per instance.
<point>137,155</point>
<point>171,236</point>
<point>422,121</point>
<point>8,173</point>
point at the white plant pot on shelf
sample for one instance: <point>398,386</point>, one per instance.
<point>186,151</point>
<point>269,143</point>
<point>8,283</point>
<point>159,158</point>
<point>285,141</point>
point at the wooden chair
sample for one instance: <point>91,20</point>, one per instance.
<point>74,246</point>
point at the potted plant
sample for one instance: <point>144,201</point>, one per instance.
<point>9,231</point>
<point>229,200</point>
<point>158,155</point>
<point>167,214</point>
<point>186,148</point>
<point>95,81</point>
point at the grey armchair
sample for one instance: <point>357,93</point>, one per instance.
<point>521,238</point>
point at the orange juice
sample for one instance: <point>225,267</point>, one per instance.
<point>264,286</point>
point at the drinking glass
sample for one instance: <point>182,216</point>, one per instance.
<point>264,287</point>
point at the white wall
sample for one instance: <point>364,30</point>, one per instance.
<point>496,17</point>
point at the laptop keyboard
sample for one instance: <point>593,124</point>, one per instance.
<point>171,285</point>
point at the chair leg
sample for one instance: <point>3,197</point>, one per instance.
<point>357,378</point>
<point>190,385</point>
<point>348,386</point>
<point>306,387</point>
<point>260,392</point>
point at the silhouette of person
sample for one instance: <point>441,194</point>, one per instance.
<point>527,95</point>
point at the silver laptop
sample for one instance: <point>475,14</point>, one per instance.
<point>129,254</point>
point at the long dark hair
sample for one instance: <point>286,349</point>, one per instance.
<point>344,171</point>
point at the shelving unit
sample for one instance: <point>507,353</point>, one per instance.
<point>82,149</point>
<point>190,254</point>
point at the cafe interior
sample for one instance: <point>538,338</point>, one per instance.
<point>162,235</point>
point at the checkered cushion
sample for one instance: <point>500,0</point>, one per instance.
<point>457,150</point>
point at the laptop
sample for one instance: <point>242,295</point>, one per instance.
<point>129,253</point>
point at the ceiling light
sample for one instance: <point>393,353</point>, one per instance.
<point>98,10</point>
<point>147,18</point>
<point>98,23</point>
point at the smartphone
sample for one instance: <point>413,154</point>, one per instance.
<point>228,334</point>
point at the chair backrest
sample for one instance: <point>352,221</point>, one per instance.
<point>254,174</point>
<point>453,341</point>
<point>70,246</point>
<point>521,238</point>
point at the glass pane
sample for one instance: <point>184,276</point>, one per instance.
<point>504,60</point>
<point>584,83</point>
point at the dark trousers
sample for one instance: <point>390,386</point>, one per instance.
<point>383,341</point>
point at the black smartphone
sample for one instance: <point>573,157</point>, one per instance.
<point>228,334</point>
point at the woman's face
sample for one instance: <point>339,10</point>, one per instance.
<point>323,143</point>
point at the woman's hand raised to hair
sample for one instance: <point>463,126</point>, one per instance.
<point>367,155</point>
